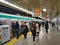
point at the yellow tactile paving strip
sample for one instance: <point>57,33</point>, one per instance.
<point>15,40</point>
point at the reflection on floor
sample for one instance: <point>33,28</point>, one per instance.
<point>52,38</point>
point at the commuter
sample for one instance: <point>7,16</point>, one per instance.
<point>46,26</point>
<point>53,24</point>
<point>33,29</point>
<point>24,29</point>
<point>39,24</point>
<point>37,29</point>
<point>13,28</point>
<point>20,28</point>
<point>28,25</point>
<point>17,30</point>
<point>43,24</point>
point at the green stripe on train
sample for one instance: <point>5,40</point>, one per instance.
<point>14,17</point>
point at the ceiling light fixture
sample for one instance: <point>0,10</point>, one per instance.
<point>44,10</point>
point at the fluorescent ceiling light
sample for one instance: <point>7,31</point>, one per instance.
<point>44,10</point>
<point>10,4</point>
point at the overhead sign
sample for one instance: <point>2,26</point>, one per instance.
<point>37,11</point>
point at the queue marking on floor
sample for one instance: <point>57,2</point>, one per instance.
<point>14,40</point>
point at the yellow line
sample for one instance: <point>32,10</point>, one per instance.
<point>15,40</point>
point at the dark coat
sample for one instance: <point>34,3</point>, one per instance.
<point>24,29</point>
<point>46,25</point>
<point>16,27</point>
<point>13,25</point>
<point>33,29</point>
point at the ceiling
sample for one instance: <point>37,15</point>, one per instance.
<point>28,4</point>
<point>52,6</point>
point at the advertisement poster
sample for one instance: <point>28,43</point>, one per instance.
<point>4,33</point>
<point>0,35</point>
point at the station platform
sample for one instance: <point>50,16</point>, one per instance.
<point>52,38</point>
